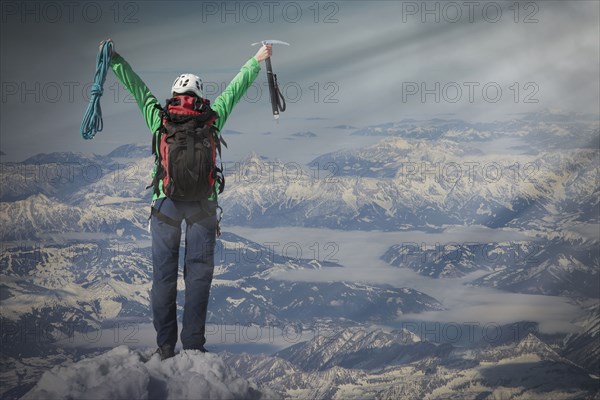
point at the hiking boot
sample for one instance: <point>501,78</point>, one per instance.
<point>200,349</point>
<point>166,351</point>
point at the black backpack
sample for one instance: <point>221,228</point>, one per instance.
<point>186,150</point>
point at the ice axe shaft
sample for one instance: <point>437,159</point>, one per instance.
<point>273,90</point>
<point>277,99</point>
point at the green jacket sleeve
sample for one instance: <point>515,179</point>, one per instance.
<point>223,105</point>
<point>138,89</point>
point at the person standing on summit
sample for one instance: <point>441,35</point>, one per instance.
<point>185,134</point>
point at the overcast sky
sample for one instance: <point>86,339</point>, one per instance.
<point>355,63</point>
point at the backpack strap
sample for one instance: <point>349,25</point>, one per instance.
<point>219,179</point>
<point>160,172</point>
<point>162,217</point>
<point>189,157</point>
<point>167,220</point>
<point>196,218</point>
<point>219,175</point>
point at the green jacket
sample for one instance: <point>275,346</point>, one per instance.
<point>223,105</point>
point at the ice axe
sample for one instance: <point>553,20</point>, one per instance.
<point>277,100</point>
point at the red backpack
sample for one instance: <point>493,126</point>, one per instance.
<point>186,150</point>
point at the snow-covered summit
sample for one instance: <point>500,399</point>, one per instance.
<point>123,373</point>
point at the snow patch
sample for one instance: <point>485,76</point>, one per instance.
<point>235,302</point>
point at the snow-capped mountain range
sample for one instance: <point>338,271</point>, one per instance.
<point>558,267</point>
<point>395,184</point>
<point>419,184</point>
<point>553,129</point>
<point>75,253</point>
<point>357,363</point>
<point>86,284</point>
<point>70,287</point>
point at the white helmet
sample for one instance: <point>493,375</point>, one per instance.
<point>187,83</point>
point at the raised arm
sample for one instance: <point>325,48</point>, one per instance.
<point>138,89</point>
<point>223,105</point>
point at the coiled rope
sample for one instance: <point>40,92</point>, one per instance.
<point>92,120</point>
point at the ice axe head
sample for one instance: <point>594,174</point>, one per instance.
<point>270,41</point>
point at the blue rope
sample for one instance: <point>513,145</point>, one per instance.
<point>92,120</point>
